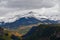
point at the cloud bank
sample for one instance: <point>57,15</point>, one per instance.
<point>11,10</point>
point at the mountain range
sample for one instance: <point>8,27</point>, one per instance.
<point>28,19</point>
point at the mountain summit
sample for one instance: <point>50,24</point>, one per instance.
<point>27,19</point>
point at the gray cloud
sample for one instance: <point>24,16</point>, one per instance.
<point>12,5</point>
<point>29,3</point>
<point>10,8</point>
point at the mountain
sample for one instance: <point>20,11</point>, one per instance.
<point>21,22</point>
<point>27,19</point>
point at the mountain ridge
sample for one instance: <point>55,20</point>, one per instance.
<point>27,20</point>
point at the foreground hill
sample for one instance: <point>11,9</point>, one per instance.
<point>43,32</point>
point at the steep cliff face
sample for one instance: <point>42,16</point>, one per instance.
<point>43,32</point>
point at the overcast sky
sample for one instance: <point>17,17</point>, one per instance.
<point>13,5</point>
<point>27,3</point>
<point>10,7</point>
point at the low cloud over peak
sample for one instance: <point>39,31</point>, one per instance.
<point>10,8</point>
